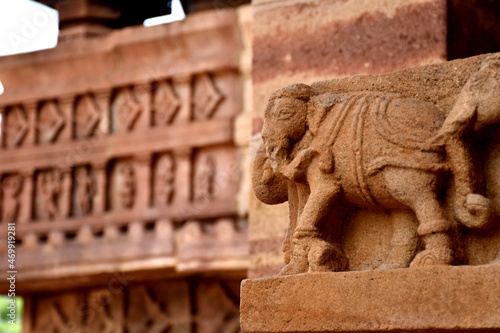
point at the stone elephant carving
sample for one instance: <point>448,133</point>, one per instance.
<point>373,150</point>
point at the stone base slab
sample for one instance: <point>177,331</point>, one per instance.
<point>428,299</point>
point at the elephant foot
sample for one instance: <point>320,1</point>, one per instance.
<point>293,268</point>
<point>298,261</point>
<point>400,256</point>
<point>313,254</point>
<point>325,257</point>
<point>437,251</point>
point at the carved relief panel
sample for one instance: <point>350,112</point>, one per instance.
<point>206,97</point>
<point>126,109</point>
<point>175,305</point>
<point>50,122</point>
<point>11,190</point>
<point>16,126</point>
<point>49,191</point>
<point>164,180</point>
<point>114,172</point>
<point>84,189</point>
<point>215,175</point>
<point>122,185</point>
<point>87,115</point>
<point>166,104</point>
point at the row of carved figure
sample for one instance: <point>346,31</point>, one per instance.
<point>51,186</point>
<point>124,305</point>
<point>328,152</point>
<point>83,115</point>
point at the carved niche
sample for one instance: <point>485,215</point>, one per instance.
<point>165,104</point>
<point>16,127</point>
<point>87,116</point>
<point>49,192</point>
<point>11,189</point>
<point>123,185</point>
<point>50,122</point>
<point>84,189</point>
<point>329,154</point>
<point>164,180</point>
<point>204,181</point>
<point>206,97</point>
<point>126,109</point>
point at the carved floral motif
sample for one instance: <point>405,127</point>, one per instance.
<point>128,108</point>
<point>50,122</point>
<point>87,116</point>
<point>165,104</point>
<point>206,97</point>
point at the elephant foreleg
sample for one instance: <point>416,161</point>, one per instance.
<point>310,251</point>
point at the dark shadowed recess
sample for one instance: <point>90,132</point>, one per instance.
<point>135,12</point>
<point>473,27</point>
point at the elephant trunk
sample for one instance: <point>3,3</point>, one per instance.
<point>470,209</point>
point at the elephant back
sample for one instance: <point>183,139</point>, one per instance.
<point>405,121</point>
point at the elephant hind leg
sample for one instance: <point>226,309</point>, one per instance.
<point>404,240</point>
<point>417,190</point>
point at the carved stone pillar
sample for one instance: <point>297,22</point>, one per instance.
<point>102,98</point>
<point>66,105</point>
<point>144,95</point>
<point>184,90</point>
<point>143,177</point>
<point>31,109</point>
<point>183,175</point>
<point>66,193</point>
<point>100,187</point>
<point>26,209</point>
<point>3,126</point>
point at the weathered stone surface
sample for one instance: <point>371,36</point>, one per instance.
<point>430,299</point>
<point>353,36</point>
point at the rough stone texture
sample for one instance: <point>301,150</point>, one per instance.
<point>430,299</point>
<point>307,41</point>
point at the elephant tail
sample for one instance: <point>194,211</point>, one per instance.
<point>474,211</point>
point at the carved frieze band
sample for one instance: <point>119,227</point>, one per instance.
<point>121,109</point>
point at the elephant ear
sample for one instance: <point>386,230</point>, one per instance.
<point>317,109</point>
<point>267,186</point>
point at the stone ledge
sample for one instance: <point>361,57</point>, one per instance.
<point>437,299</point>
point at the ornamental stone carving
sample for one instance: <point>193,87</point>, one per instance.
<point>331,153</point>
<point>11,187</point>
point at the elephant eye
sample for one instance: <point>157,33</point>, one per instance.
<point>284,114</point>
